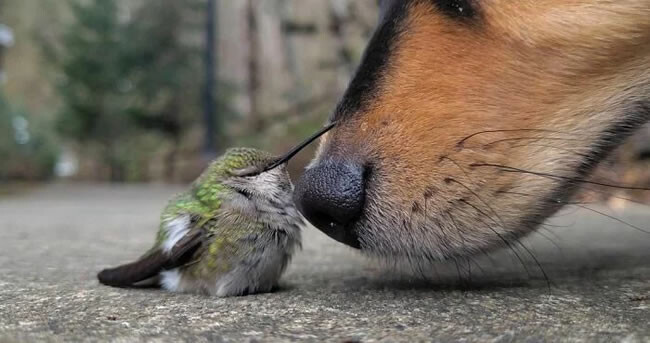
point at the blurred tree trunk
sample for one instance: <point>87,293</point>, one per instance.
<point>175,134</point>
<point>256,120</point>
<point>170,161</point>
<point>115,166</point>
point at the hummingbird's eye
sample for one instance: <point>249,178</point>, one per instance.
<point>246,171</point>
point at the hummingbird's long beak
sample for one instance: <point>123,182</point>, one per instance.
<point>291,153</point>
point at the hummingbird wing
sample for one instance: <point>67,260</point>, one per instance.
<point>153,263</point>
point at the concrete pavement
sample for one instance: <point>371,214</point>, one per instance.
<point>53,240</point>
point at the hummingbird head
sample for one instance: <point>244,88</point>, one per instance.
<point>252,191</point>
<point>255,172</point>
<point>253,181</point>
<point>243,170</point>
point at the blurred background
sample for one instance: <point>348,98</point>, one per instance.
<point>149,90</point>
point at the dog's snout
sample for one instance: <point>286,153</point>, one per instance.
<point>331,196</point>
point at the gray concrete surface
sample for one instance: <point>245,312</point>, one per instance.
<point>53,241</point>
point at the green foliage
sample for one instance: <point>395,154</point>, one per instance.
<point>163,68</point>
<point>26,151</point>
<point>126,75</point>
<point>93,89</point>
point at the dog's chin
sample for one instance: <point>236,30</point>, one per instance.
<point>346,234</point>
<point>399,235</point>
<point>379,236</point>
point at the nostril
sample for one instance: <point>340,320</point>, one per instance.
<point>331,194</point>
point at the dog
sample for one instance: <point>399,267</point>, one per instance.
<point>469,122</point>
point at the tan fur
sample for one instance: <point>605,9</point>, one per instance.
<point>562,71</point>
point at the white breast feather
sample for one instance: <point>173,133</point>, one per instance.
<point>176,230</point>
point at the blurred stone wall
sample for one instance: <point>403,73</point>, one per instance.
<point>276,53</point>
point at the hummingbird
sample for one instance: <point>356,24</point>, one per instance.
<point>233,232</point>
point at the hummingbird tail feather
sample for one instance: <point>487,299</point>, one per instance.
<point>129,274</point>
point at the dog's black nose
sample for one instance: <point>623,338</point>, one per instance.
<point>331,196</point>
